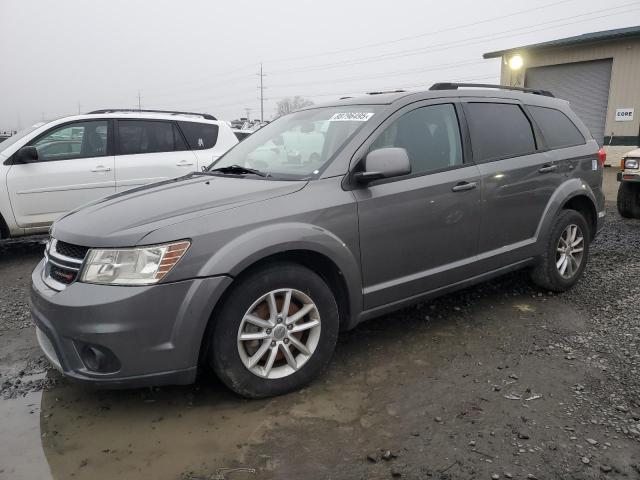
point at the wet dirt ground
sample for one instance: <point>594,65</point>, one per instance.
<point>500,379</point>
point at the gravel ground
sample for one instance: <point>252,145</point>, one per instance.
<point>497,381</point>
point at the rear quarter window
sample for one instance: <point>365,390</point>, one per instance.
<point>558,130</point>
<point>200,136</point>
<point>498,130</point>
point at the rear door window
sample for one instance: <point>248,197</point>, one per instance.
<point>146,136</point>
<point>558,130</point>
<point>498,130</point>
<point>200,136</point>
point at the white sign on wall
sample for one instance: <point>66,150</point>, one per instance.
<point>624,114</point>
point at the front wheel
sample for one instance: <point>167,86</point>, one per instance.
<point>629,200</point>
<point>566,253</point>
<point>275,332</point>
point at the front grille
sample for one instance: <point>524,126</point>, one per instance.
<point>63,263</point>
<point>70,250</point>
<point>62,275</point>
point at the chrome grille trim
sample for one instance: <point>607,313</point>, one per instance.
<point>53,252</point>
<point>55,259</point>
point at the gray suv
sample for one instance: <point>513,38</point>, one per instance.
<point>322,219</point>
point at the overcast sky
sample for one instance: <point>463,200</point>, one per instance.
<point>204,55</point>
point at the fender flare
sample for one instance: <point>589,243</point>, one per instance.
<point>568,190</point>
<point>255,245</point>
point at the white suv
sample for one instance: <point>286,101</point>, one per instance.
<point>52,168</point>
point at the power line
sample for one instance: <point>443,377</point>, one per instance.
<point>442,66</point>
<point>362,47</point>
<point>207,78</point>
<point>400,87</point>
<point>384,43</point>
<point>405,53</point>
<point>421,35</point>
<point>458,43</point>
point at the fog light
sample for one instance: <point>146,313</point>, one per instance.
<point>99,359</point>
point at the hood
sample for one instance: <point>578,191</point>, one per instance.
<point>633,153</point>
<point>123,219</point>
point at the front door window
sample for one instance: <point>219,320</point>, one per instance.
<point>75,140</point>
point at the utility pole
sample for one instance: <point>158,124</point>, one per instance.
<point>79,108</point>
<point>139,101</point>
<point>248,111</point>
<point>262,75</point>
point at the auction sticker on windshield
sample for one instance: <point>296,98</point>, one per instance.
<point>351,117</point>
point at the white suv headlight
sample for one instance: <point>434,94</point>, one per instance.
<point>132,266</point>
<point>631,163</point>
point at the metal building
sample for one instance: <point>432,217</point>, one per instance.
<point>599,73</point>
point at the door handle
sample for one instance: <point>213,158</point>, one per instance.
<point>548,169</point>
<point>463,186</point>
<point>100,169</point>
<point>184,163</point>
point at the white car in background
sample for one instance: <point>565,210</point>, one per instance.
<point>52,168</point>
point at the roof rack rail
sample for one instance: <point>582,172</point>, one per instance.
<point>454,86</point>
<point>383,92</point>
<point>206,116</point>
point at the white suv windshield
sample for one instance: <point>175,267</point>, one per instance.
<point>14,138</point>
<point>298,145</point>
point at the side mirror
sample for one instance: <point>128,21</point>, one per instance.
<point>26,154</point>
<point>384,163</point>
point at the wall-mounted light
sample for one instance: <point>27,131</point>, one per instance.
<point>516,62</point>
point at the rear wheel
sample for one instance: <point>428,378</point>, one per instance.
<point>629,200</point>
<point>275,332</point>
<point>566,253</point>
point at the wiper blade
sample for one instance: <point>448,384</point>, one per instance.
<point>237,169</point>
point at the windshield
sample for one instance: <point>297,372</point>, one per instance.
<point>299,145</point>
<point>14,138</point>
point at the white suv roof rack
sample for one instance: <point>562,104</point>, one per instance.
<point>206,116</point>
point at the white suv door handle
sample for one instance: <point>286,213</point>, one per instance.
<point>184,163</point>
<point>101,168</point>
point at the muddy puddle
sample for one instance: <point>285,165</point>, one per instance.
<point>69,431</point>
<point>22,456</point>
<point>421,385</point>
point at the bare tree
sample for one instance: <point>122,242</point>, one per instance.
<point>291,104</point>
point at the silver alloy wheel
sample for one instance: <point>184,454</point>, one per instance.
<point>569,251</point>
<point>279,333</point>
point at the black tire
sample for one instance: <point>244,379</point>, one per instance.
<point>224,356</point>
<point>545,274</point>
<point>629,200</point>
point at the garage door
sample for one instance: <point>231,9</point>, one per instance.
<point>584,84</point>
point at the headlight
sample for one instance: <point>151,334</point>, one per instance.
<point>631,163</point>
<point>132,266</point>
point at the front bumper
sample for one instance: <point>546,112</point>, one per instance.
<point>155,332</point>
<point>628,177</point>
